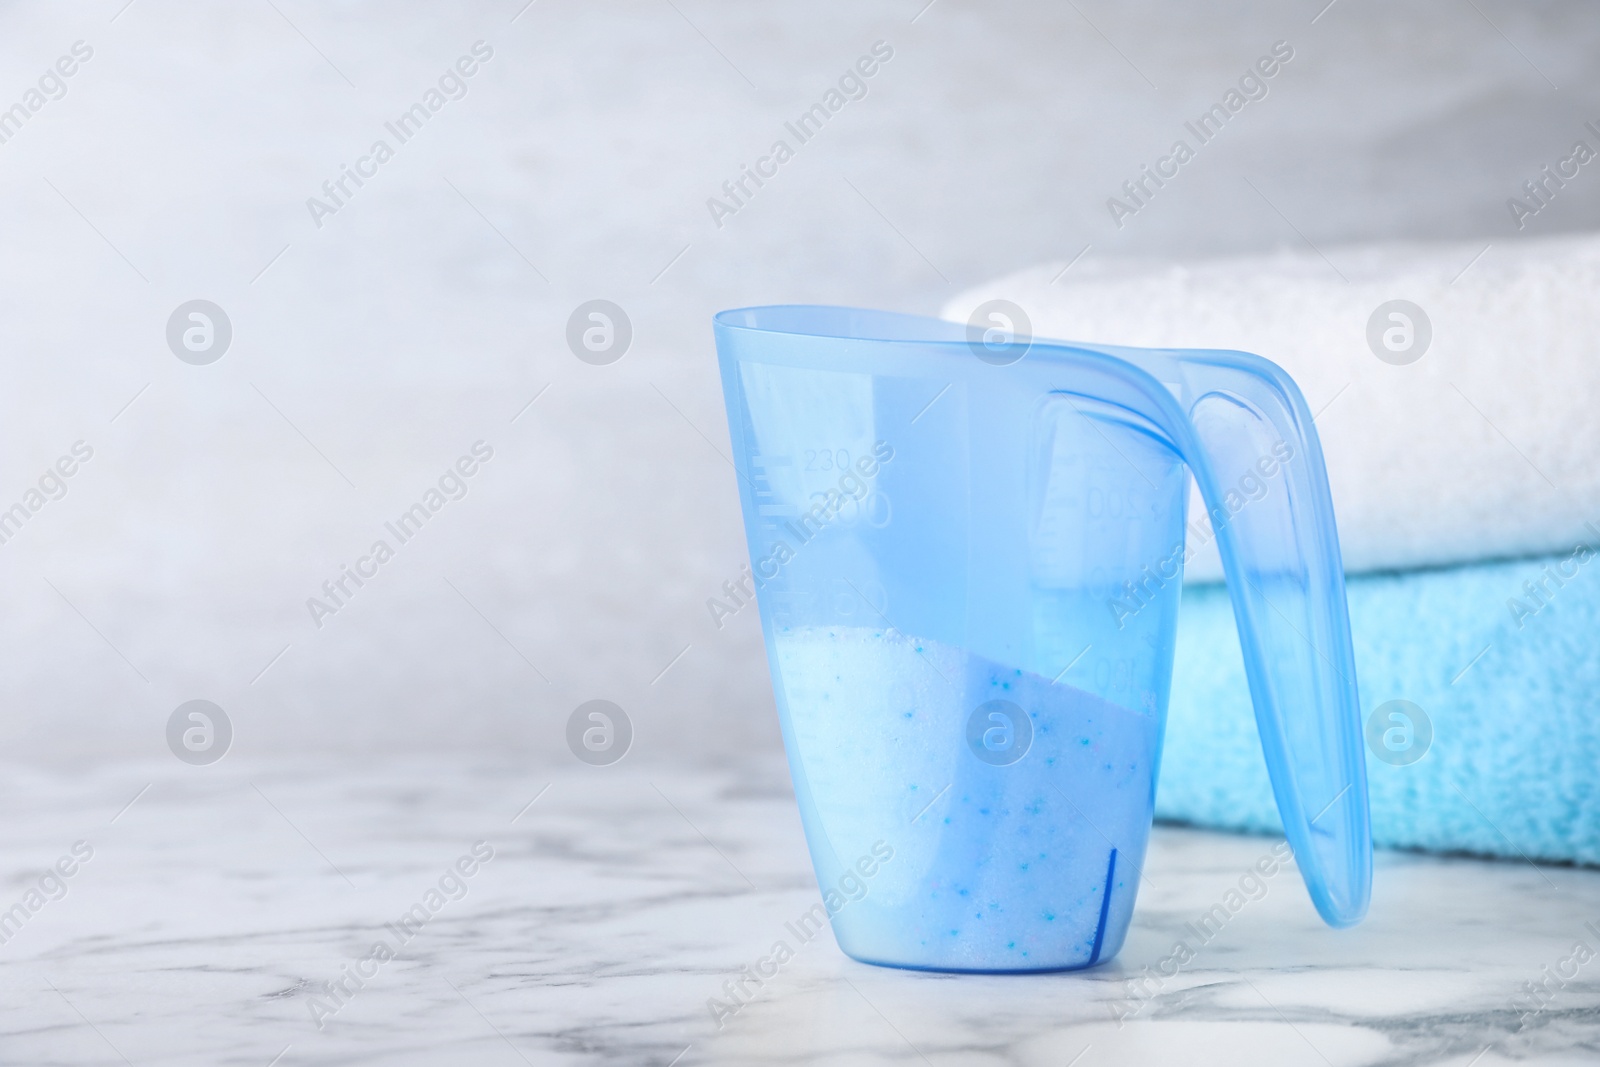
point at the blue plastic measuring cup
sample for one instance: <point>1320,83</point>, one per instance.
<point>968,551</point>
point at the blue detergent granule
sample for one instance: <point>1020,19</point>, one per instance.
<point>996,867</point>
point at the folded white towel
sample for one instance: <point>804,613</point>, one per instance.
<point>1485,445</point>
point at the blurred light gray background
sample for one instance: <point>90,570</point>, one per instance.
<point>371,352</point>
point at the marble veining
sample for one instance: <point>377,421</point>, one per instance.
<point>617,910</point>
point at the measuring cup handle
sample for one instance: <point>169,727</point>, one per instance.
<point>1261,474</point>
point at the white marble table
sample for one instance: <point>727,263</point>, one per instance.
<point>616,906</point>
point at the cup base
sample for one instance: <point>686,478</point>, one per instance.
<point>1047,968</point>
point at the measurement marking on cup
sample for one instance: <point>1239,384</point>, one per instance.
<point>1105,910</point>
<point>931,803</point>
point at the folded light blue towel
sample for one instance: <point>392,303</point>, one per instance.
<point>1503,659</point>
